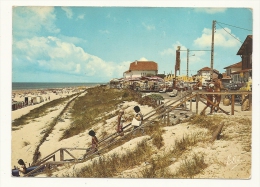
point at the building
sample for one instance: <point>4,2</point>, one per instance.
<point>230,70</point>
<point>140,69</point>
<point>245,53</point>
<point>205,74</point>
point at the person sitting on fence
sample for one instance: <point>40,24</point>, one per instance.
<point>22,168</point>
<point>138,116</point>
<point>94,141</point>
<point>120,121</point>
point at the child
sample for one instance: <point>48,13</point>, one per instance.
<point>138,116</point>
<point>94,141</point>
<point>120,121</point>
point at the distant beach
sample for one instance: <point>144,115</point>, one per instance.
<point>48,85</point>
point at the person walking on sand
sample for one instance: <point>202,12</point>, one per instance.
<point>120,121</point>
<point>94,141</point>
<point>138,116</point>
<point>217,88</point>
<point>22,168</point>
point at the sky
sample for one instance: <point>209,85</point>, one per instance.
<point>96,44</point>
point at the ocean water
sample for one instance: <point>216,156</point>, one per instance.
<point>48,85</point>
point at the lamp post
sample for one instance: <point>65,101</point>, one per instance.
<point>188,51</point>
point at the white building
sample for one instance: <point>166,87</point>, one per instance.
<point>232,69</point>
<point>140,69</point>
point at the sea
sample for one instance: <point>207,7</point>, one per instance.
<point>49,85</point>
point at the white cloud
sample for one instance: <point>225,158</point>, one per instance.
<point>221,38</point>
<point>54,55</point>
<point>81,16</point>
<point>149,27</point>
<point>210,10</point>
<point>68,11</point>
<point>143,59</point>
<point>172,50</point>
<point>28,21</point>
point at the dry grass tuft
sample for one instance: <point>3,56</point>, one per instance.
<point>25,143</point>
<point>188,141</point>
<point>208,122</point>
<point>115,164</point>
<point>191,167</point>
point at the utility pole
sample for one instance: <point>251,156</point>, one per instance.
<point>188,62</point>
<point>212,49</point>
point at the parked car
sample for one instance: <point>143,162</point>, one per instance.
<point>236,86</point>
<point>174,93</point>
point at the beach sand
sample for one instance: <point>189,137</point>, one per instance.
<point>26,139</point>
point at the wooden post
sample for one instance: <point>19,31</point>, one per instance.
<point>191,105</point>
<point>197,103</point>
<point>61,155</point>
<point>53,157</point>
<point>250,102</point>
<point>168,117</point>
<point>217,132</point>
<point>232,104</point>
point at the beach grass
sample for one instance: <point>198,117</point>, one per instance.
<point>115,164</point>
<point>89,109</point>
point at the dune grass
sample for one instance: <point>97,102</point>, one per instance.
<point>208,122</point>
<point>89,109</point>
<point>115,164</point>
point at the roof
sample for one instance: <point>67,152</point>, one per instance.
<point>225,76</point>
<point>241,71</point>
<point>208,69</point>
<point>246,46</point>
<point>236,65</point>
<point>143,65</point>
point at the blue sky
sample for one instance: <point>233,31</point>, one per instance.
<point>96,44</point>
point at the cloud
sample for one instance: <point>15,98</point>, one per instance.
<point>143,59</point>
<point>68,11</point>
<point>210,10</point>
<point>72,39</point>
<point>149,27</point>
<point>53,55</point>
<point>29,21</point>
<point>222,38</point>
<point>81,16</point>
<point>172,50</point>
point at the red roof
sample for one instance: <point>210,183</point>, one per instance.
<point>236,65</point>
<point>143,65</point>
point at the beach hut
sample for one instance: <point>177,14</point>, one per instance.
<point>28,100</point>
<point>17,104</point>
<point>38,100</point>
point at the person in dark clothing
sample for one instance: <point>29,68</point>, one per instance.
<point>22,168</point>
<point>94,141</point>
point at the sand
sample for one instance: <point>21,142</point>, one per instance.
<point>226,158</point>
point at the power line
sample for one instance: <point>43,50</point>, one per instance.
<point>234,26</point>
<point>229,33</point>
